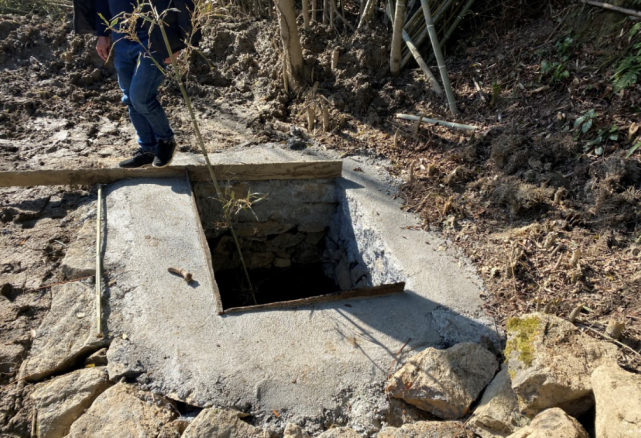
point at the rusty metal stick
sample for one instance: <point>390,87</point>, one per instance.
<point>184,274</point>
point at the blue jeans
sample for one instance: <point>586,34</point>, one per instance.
<point>139,78</point>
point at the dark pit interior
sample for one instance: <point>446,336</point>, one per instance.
<point>299,241</point>
<point>284,267</point>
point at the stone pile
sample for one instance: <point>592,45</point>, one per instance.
<point>553,373</point>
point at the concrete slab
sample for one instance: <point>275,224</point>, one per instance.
<point>306,363</point>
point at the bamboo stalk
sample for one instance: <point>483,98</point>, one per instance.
<point>419,24</point>
<point>339,15</point>
<point>613,8</point>
<point>438,122</point>
<point>439,56</point>
<point>314,11</point>
<point>325,12</point>
<point>417,56</point>
<point>325,118</point>
<point>397,36</point>
<point>369,8</point>
<point>285,75</point>
<point>311,116</point>
<point>335,55</point>
<point>454,25</point>
<point>306,14</point>
<point>99,264</point>
<point>201,143</point>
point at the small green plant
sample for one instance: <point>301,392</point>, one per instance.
<point>628,70</point>
<point>555,70</point>
<point>496,92</point>
<point>633,149</point>
<point>585,122</point>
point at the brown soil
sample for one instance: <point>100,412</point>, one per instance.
<point>522,197</point>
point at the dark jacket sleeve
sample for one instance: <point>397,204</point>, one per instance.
<point>178,27</point>
<point>102,9</point>
<point>84,17</point>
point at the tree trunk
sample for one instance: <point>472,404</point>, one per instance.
<point>291,39</point>
<point>397,35</point>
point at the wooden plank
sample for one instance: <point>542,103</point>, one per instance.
<point>224,172</point>
<point>377,291</point>
<point>205,247</point>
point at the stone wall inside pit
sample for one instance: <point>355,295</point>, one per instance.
<point>298,222</point>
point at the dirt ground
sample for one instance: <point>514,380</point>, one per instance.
<point>550,221</point>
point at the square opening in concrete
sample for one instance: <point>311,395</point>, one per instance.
<point>299,244</point>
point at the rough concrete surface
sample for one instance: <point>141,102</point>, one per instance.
<point>304,363</point>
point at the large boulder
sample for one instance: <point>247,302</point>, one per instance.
<point>61,401</point>
<point>497,414</point>
<point>221,423</point>
<point>66,334</point>
<point>550,362</point>
<point>618,402</point>
<point>445,382</point>
<point>552,423</point>
<point>122,411</point>
<point>427,429</point>
<point>339,432</point>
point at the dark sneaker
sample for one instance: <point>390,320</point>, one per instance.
<point>140,159</point>
<point>165,152</point>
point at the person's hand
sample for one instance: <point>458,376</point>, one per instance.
<point>175,55</point>
<point>102,47</point>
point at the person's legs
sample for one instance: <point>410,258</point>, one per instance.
<point>126,63</point>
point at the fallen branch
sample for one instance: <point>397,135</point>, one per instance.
<point>607,338</point>
<point>610,7</point>
<point>437,122</point>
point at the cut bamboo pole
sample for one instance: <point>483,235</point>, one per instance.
<point>437,122</point>
<point>325,118</point>
<point>613,8</point>
<point>366,14</point>
<point>305,14</point>
<point>99,263</point>
<point>439,56</point>
<point>311,116</point>
<point>459,18</point>
<point>313,11</point>
<point>325,12</point>
<point>339,15</point>
<point>417,56</point>
<point>397,36</point>
<point>335,55</point>
<point>418,31</point>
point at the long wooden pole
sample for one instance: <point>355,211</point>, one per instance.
<point>439,57</point>
<point>99,263</point>
<point>421,119</point>
<point>610,7</point>
<point>201,143</point>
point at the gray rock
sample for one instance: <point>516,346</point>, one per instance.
<point>122,411</point>
<point>66,333</point>
<point>497,414</point>
<point>427,429</point>
<point>98,359</point>
<point>339,432</point>
<point>174,429</point>
<point>61,401</point>
<point>294,431</point>
<point>618,402</point>
<point>80,258</point>
<point>550,362</point>
<point>221,423</point>
<point>284,241</point>
<point>552,423</point>
<point>445,382</point>
<point>282,263</point>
